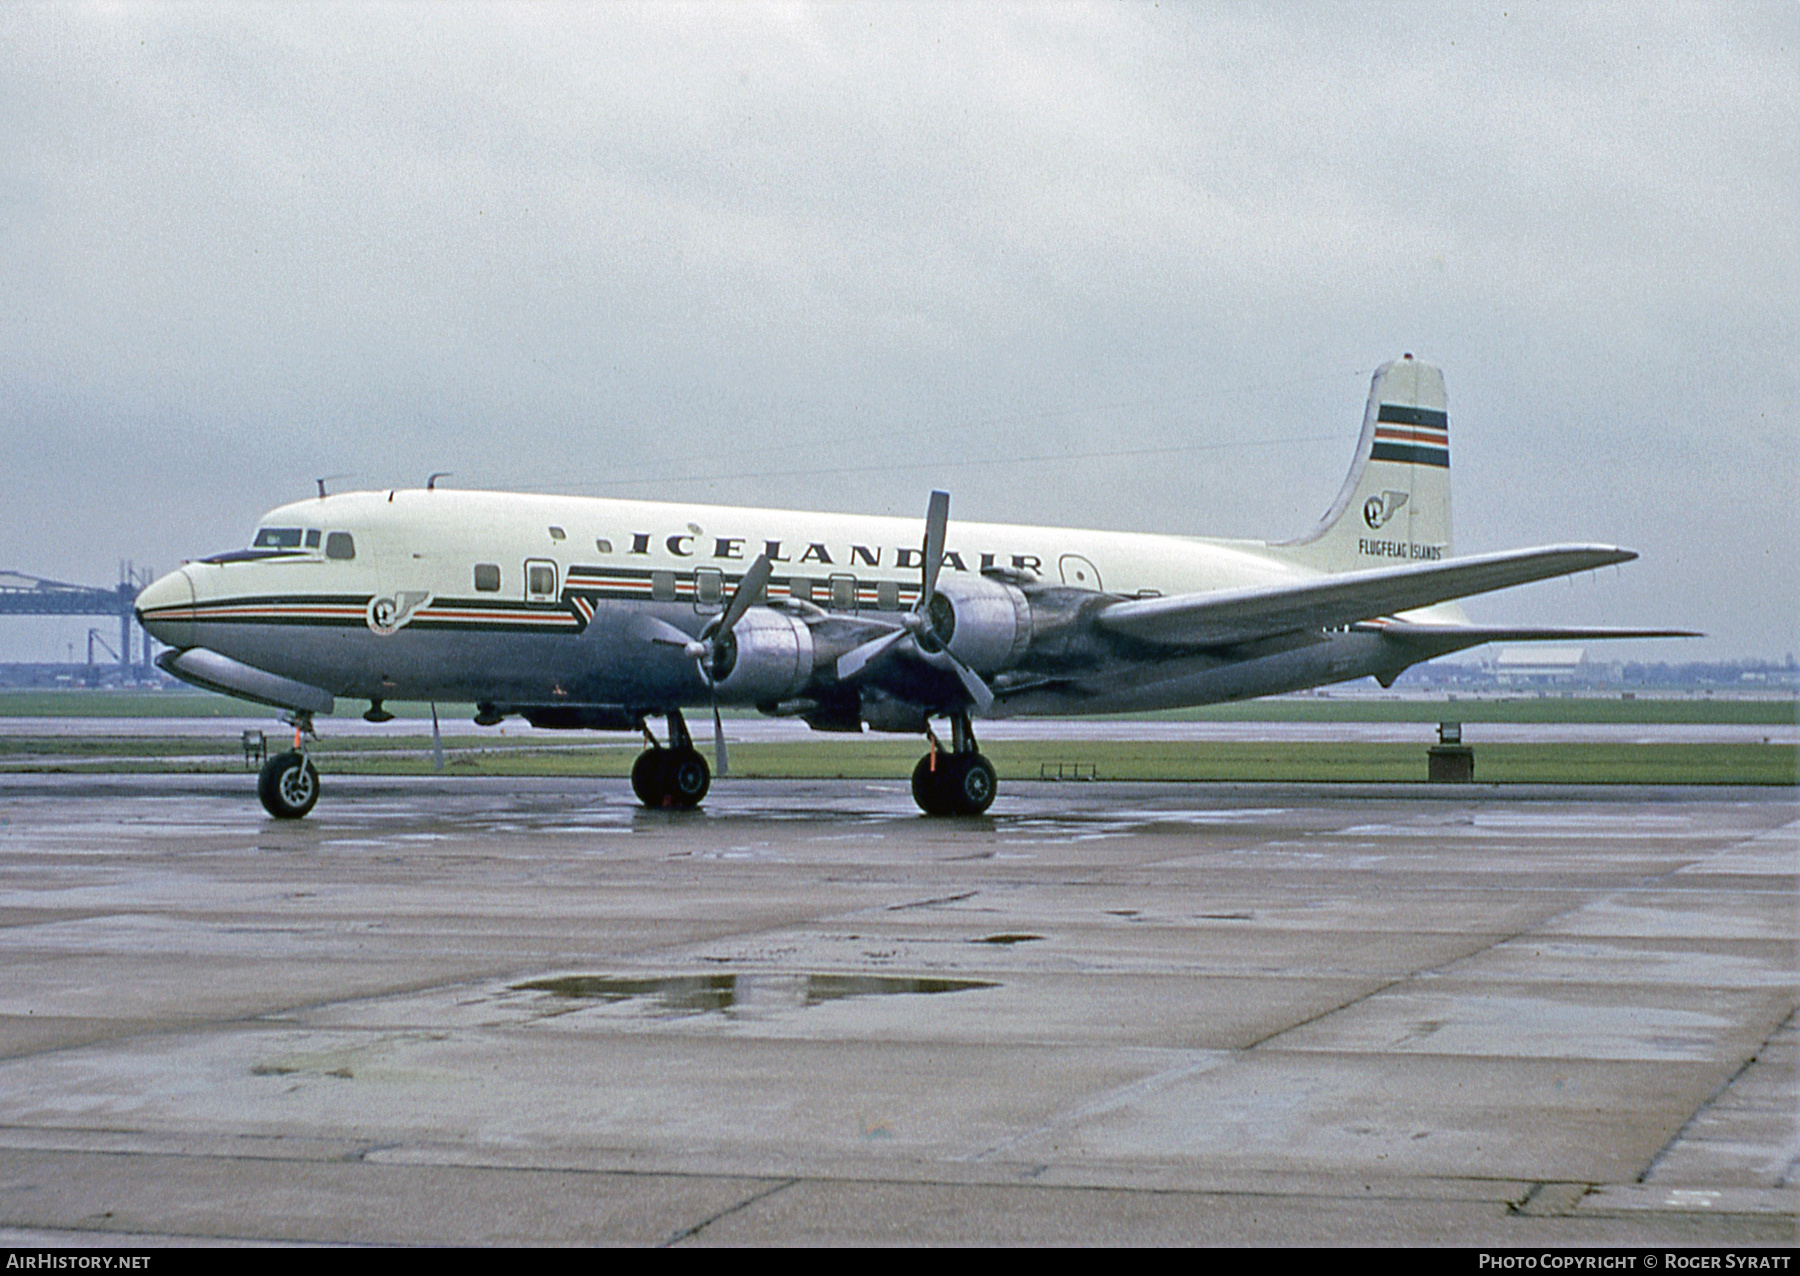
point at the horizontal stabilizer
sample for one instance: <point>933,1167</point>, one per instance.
<point>1430,641</point>
<point>1225,616</point>
<point>1473,635</point>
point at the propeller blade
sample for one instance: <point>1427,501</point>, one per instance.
<point>749,590</point>
<point>973,684</point>
<point>719,741</point>
<point>851,662</point>
<point>937,518</point>
<point>437,741</point>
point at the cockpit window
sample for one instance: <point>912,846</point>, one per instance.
<point>277,538</point>
<point>312,538</point>
<point>340,545</point>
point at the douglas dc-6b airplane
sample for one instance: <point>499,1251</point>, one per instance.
<point>601,614</point>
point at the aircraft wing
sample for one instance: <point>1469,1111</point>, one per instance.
<point>1225,616</point>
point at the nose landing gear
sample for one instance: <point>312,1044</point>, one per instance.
<point>956,782</point>
<point>288,783</point>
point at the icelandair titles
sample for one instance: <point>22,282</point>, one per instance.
<point>688,545</point>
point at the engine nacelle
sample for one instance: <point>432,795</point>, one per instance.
<point>985,623</point>
<point>767,656</point>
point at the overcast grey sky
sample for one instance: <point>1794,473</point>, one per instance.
<point>1113,265</point>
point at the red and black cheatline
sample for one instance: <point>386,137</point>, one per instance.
<point>469,615</point>
<point>269,609</point>
<point>352,610</point>
<point>588,588</point>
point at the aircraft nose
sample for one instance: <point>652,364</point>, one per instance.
<point>166,609</point>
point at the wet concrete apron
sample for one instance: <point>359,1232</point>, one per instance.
<point>530,1011</point>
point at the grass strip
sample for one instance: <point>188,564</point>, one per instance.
<point>1298,762</point>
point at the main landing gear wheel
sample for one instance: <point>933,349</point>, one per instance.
<point>288,786</point>
<point>677,778</point>
<point>956,781</point>
<point>958,784</point>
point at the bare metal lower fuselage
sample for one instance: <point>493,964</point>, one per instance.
<point>612,664</point>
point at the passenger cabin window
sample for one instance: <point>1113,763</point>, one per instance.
<point>312,538</point>
<point>887,595</point>
<point>540,581</point>
<point>709,586</point>
<point>339,545</point>
<point>662,587</point>
<point>487,577</point>
<point>277,538</point>
<point>843,593</point>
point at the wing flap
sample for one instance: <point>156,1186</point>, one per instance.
<point>1222,617</point>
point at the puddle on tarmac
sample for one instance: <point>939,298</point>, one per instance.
<point>702,994</point>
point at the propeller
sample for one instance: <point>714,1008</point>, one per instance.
<point>916,624</point>
<point>715,645</point>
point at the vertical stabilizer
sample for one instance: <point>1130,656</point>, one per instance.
<point>1395,505</point>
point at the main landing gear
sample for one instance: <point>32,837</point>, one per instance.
<point>289,783</point>
<point>958,781</point>
<point>676,777</point>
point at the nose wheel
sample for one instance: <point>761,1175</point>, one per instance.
<point>288,785</point>
<point>959,781</point>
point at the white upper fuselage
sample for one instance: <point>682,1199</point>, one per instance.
<point>433,539</point>
<point>418,542</point>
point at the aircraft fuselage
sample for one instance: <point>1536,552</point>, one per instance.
<point>519,600</point>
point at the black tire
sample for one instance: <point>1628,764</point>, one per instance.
<point>288,786</point>
<point>647,776</point>
<point>928,785</point>
<point>686,778</point>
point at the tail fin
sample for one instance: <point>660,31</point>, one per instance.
<point>1395,504</point>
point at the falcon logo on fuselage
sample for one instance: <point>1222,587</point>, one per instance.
<point>390,615</point>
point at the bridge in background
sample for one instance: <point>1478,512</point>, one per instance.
<point>22,594</point>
